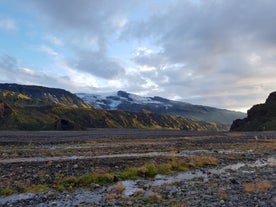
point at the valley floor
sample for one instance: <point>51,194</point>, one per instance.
<point>132,167</point>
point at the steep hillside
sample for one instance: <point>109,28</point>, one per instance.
<point>39,94</point>
<point>130,102</point>
<point>261,117</point>
<point>24,109</point>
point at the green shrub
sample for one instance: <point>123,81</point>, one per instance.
<point>165,169</point>
<point>152,170</point>
<point>70,182</point>
<point>7,192</point>
<point>60,188</point>
<point>86,179</point>
<point>104,178</point>
<point>130,173</point>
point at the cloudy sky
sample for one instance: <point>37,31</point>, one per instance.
<point>219,53</point>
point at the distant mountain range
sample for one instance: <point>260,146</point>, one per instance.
<point>261,117</point>
<point>122,100</point>
<point>25,107</point>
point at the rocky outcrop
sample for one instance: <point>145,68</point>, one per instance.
<point>261,117</point>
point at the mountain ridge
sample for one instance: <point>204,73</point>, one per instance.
<point>40,108</point>
<point>43,94</point>
<point>122,100</point>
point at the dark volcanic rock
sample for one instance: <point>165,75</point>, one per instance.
<point>64,124</point>
<point>261,117</point>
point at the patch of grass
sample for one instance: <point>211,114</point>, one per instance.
<point>70,182</point>
<point>7,192</point>
<point>86,179</point>
<point>257,187</point>
<point>104,178</point>
<point>60,188</point>
<point>179,165</point>
<point>151,170</point>
<point>165,169</point>
<point>130,173</point>
<point>37,188</point>
<point>201,161</point>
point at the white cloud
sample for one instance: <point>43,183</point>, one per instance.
<point>48,50</point>
<point>28,71</point>
<point>209,52</point>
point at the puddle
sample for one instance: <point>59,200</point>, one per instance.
<point>271,161</point>
<point>133,185</point>
<point>163,179</point>
<point>146,154</point>
<point>82,196</point>
<point>75,157</point>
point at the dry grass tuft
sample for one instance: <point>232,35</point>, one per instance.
<point>119,187</point>
<point>201,161</point>
<point>111,196</point>
<point>257,187</point>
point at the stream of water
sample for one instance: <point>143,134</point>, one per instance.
<point>146,154</point>
<point>131,186</point>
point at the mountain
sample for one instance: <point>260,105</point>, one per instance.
<point>41,95</point>
<point>261,117</point>
<point>130,102</point>
<point>39,108</point>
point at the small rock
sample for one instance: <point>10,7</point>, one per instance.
<point>94,185</point>
<point>150,195</point>
<point>54,204</point>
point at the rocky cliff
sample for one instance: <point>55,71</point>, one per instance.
<point>261,117</point>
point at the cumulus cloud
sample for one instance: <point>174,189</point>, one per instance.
<point>89,25</point>
<point>220,53</point>
<point>217,44</point>
<point>12,72</point>
<point>89,18</point>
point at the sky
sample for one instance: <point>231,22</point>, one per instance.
<point>219,53</point>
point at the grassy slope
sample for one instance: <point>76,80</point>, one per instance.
<point>18,111</point>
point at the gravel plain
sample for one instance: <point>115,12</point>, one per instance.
<point>244,175</point>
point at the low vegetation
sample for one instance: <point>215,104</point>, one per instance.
<point>260,186</point>
<point>148,170</point>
